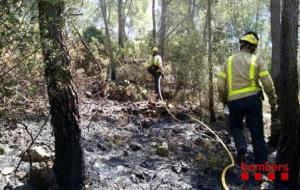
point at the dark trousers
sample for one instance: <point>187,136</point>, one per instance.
<point>156,82</point>
<point>251,109</point>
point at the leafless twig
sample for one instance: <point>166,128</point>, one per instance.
<point>33,139</point>
<point>86,46</point>
<point>163,167</point>
<point>28,11</point>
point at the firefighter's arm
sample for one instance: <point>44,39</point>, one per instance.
<point>269,90</point>
<point>161,69</point>
<point>221,85</point>
<point>268,86</point>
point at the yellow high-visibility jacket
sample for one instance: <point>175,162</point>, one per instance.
<point>155,60</point>
<point>240,75</point>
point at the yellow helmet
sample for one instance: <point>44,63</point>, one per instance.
<point>250,38</point>
<point>155,49</point>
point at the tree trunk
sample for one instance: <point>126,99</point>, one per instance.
<point>163,27</point>
<point>210,64</point>
<point>275,68</point>
<point>275,33</point>
<point>112,68</point>
<point>191,14</point>
<point>204,33</point>
<point>154,24</point>
<point>288,151</point>
<point>69,163</point>
<point>257,16</point>
<point>121,21</point>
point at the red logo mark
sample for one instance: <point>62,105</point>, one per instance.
<point>259,169</point>
<point>284,176</point>
<point>271,176</point>
<point>258,176</point>
<point>245,176</point>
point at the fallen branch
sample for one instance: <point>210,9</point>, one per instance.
<point>86,46</point>
<point>155,174</point>
<point>33,139</point>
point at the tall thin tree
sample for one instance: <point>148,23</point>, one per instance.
<point>121,22</point>
<point>111,71</point>
<point>162,35</point>
<point>275,67</point>
<point>191,14</point>
<point>288,151</point>
<point>69,163</point>
<point>154,24</point>
<point>210,63</point>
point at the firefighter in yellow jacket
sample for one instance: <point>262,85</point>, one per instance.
<point>238,86</point>
<point>155,68</point>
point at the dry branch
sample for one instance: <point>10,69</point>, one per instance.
<point>86,46</point>
<point>33,139</point>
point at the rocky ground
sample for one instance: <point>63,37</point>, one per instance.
<point>130,145</point>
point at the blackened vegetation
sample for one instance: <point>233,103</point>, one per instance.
<point>68,165</point>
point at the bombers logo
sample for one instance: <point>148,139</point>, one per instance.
<point>259,169</point>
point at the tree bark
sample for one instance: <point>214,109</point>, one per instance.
<point>191,14</point>
<point>163,27</point>
<point>210,64</point>
<point>288,151</point>
<point>69,163</point>
<point>275,67</point>
<point>257,16</point>
<point>112,68</point>
<point>275,34</point>
<point>154,24</point>
<point>204,33</point>
<point>121,23</point>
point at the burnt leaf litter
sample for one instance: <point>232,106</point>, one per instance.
<point>127,145</point>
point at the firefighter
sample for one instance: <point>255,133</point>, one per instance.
<point>154,67</point>
<point>238,86</point>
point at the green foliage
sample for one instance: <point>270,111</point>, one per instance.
<point>185,59</point>
<point>21,67</point>
<point>189,64</point>
<point>234,19</point>
<point>91,33</point>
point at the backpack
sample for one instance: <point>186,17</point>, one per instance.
<point>152,69</point>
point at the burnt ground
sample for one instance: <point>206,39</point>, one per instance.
<point>123,150</point>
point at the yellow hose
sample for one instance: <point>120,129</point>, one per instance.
<point>225,169</point>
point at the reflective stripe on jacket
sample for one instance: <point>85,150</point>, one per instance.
<point>154,60</point>
<point>240,75</point>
